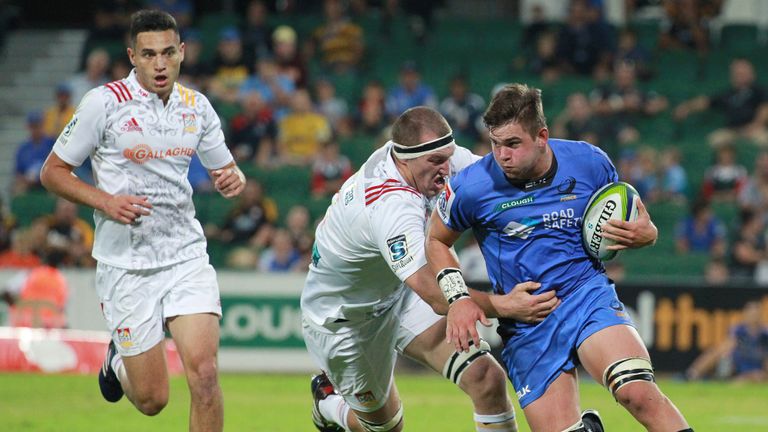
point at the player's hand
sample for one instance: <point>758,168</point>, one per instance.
<point>127,209</point>
<point>461,327</point>
<point>631,235</point>
<point>229,181</point>
<point>519,304</point>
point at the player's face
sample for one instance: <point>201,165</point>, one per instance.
<point>518,154</point>
<point>157,57</point>
<point>429,171</point>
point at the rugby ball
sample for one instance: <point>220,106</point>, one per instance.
<point>616,201</point>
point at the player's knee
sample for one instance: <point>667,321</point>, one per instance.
<point>484,378</point>
<point>151,405</point>
<point>628,371</point>
<point>460,363</point>
<point>203,379</point>
<point>394,424</point>
<point>641,399</point>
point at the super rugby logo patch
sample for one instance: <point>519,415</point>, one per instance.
<point>398,247</point>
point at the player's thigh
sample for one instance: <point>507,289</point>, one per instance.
<point>196,337</point>
<point>558,407</point>
<point>421,334</point>
<point>609,345</point>
<point>359,360</point>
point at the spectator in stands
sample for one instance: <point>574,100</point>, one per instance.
<point>256,31</point>
<point>329,170</point>
<point>746,347</point>
<point>338,41</point>
<point>544,60</point>
<point>60,113</point>
<point>252,133</point>
<point>410,92</point>
<point>251,220</point>
<point>229,68</point>
<point>754,196</point>
<point>107,31</point>
<point>673,181</point>
<point>684,27</point>
<point>26,244</point>
<point>371,116</point>
<point>583,44</point>
<point>701,231</point>
<point>630,51</point>
<point>94,75</point>
<point>301,132</point>
<point>332,107</point>
<point>462,109</point>
<point>297,224</point>
<point>640,169</point>
<point>119,69</point>
<point>748,248</point>
<point>536,27</point>
<point>716,272</point>
<point>287,57</point>
<point>194,72</point>
<point>744,104</point>
<point>281,256</point>
<point>69,235</point>
<point>276,88</point>
<point>578,123</point>
<point>38,296</point>
<point>30,155</point>
<point>623,101</point>
<point>725,180</point>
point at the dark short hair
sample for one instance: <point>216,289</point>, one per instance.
<point>151,20</point>
<point>518,103</point>
<point>408,128</point>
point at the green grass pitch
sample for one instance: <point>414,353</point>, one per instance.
<point>281,403</point>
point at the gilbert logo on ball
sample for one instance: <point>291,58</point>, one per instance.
<point>617,201</point>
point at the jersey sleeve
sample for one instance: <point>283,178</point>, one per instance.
<point>453,208</point>
<point>212,149</point>
<point>84,131</point>
<point>398,226</point>
<point>605,171</point>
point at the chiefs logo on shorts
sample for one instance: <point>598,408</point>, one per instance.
<point>124,336</point>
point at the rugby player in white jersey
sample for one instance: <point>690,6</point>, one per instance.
<point>153,270</point>
<point>369,293</point>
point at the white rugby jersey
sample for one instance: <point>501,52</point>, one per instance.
<point>370,240</point>
<point>138,146</point>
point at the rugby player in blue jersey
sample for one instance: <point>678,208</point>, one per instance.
<point>524,203</point>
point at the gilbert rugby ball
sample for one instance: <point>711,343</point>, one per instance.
<point>616,201</point>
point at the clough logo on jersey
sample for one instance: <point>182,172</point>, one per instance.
<point>143,152</point>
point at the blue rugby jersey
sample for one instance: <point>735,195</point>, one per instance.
<point>532,231</point>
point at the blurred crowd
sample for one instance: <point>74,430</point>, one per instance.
<point>274,88</point>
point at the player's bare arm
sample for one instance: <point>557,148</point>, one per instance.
<point>632,235</point>
<point>57,176</point>
<point>228,180</point>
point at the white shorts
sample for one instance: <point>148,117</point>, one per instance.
<point>360,360</point>
<point>136,303</point>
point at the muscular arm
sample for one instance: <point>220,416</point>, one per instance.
<point>56,175</point>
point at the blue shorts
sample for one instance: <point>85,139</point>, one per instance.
<point>537,354</point>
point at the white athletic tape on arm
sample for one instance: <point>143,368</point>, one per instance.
<point>452,284</point>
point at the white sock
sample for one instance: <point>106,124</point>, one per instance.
<point>117,366</point>
<point>335,409</point>
<point>504,422</point>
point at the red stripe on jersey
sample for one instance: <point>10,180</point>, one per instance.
<point>133,120</point>
<point>386,183</point>
<point>122,85</point>
<point>373,197</point>
<point>118,95</point>
<point>120,89</point>
<point>379,189</point>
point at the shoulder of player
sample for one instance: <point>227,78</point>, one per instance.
<point>119,91</point>
<point>475,174</point>
<point>380,191</point>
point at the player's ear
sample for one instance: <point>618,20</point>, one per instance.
<point>130,56</point>
<point>542,137</point>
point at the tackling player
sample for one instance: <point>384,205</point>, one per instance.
<point>153,270</point>
<point>524,203</point>
<point>369,293</point>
